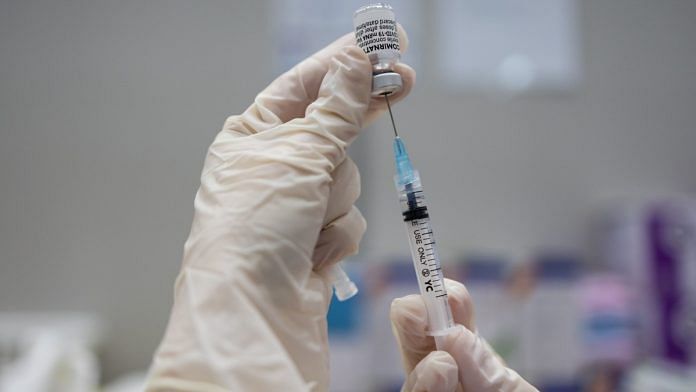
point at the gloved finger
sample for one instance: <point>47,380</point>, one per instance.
<point>344,190</point>
<point>318,141</point>
<point>288,96</point>
<point>410,322</point>
<point>339,239</point>
<point>435,373</point>
<point>343,98</point>
<point>480,369</point>
<point>461,303</point>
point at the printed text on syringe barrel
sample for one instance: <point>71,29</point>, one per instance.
<point>421,233</point>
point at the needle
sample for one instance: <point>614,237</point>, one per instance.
<point>386,98</point>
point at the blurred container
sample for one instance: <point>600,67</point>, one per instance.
<point>608,320</point>
<point>49,352</point>
<point>671,229</point>
<point>654,246</point>
<point>553,345</point>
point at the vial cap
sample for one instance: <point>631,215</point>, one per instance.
<point>345,290</point>
<point>386,83</point>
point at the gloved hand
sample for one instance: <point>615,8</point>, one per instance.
<point>274,208</point>
<point>467,362</point>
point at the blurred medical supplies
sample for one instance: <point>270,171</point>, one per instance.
<point>654,246</point>
<point>49,352</point>
<point>608,322</point>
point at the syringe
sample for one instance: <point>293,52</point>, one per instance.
<point>422,241</point>
<point>377,34</point>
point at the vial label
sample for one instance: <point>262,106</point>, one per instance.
<point>375,31</point>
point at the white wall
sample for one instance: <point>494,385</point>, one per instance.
<point>106,109</point>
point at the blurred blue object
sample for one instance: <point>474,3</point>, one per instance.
<point>558,266</point>
<point>561,387</point>
<point>483,267</point>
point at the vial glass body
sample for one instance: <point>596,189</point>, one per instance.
<point>376,34</point>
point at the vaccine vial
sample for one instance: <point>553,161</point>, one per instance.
<point>376,35</point>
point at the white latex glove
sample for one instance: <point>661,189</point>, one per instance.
<point>275,206</point>
<point>467,362</point>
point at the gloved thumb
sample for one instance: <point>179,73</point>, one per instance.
<point>480,369</point>
<point>344,95</point>
<point>437,372</point>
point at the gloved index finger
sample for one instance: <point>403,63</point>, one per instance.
<point>306,77</point>
<point>461,304</point>
<point>288,96</point>
<point>409,322</point>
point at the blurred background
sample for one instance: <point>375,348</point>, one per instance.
<point>555,138</point>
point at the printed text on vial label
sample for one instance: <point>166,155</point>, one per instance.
<point>378,34</point>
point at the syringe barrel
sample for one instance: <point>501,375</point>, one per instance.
<point>426,261</point>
